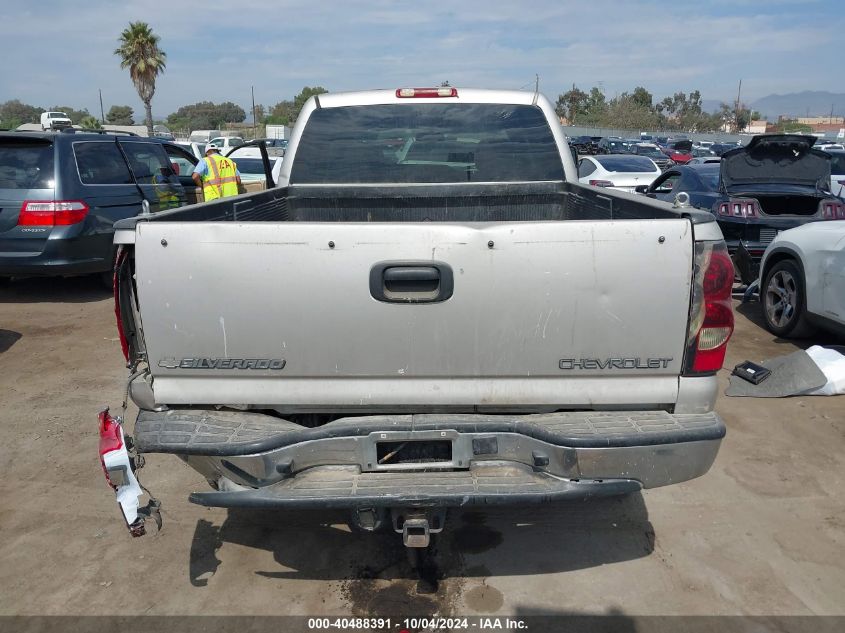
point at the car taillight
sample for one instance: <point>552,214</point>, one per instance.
<point>52,212</point>
<point>833,210</point>
<point>111,439</point>
<point>419,93</point>
<point>601,183</point>
<point>739,208</point>
<point>711,320</point>
<point>118,265</point>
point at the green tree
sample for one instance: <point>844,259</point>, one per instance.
<point>281,114</point>
<point>206,115</point>
<point>90,123</point>
<point>641,97</point>
<point>120,115</point>
<point>140,53</point>
<point>571,104</point>
<point>286,112</point>
<point>14,113</point>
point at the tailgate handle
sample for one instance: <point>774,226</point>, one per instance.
<point>411,282</point>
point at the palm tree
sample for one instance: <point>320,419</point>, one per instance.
<point>90,123</point>
<point>139,52</point>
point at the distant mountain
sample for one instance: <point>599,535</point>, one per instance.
<point>800,104</point>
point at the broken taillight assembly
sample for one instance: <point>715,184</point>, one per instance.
<point>111,439</point>
<point>711,320</point>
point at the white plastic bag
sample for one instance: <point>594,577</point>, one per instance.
<point>832,364</point>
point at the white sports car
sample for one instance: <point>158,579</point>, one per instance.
<point>802,278</point>
<point>617,171</point>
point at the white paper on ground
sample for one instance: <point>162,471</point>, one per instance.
<point>832,364</point>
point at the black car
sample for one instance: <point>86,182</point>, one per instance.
<point>654,153</point>
<point>774,183</point>
<point>612,146</point>
<point>61,193</point>
<point>583,145</point>
<point>720,148</point>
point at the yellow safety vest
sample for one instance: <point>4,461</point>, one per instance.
<point>220,181</point>
<point>168,198</point>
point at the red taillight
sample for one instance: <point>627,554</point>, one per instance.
<point>52,212</point>
<point>711,313</point>
<point>110,439</point>
<point>739,208</point>
<point>118,264</point>
<point>833,210</point>
<point>421,93</point>
<point>601,183</point>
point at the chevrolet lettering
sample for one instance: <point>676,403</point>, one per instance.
<point>614,363</point>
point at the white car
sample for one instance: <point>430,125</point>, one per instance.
<point>251,168</point>
<point>802,278</point>
<point>837,169</point>
<point>226,143</point>
<point>617,171</point>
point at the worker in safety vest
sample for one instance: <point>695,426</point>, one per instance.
<point>166,191</point>
<point>218,176</point>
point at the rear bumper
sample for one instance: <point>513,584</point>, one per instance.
<point>72,256</point>
<point>492,459</point>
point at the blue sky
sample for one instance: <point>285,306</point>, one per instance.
<point>217,50</point>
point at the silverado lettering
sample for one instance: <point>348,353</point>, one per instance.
<point>223,363</point>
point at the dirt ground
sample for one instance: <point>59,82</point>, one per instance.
<point>762,533</point>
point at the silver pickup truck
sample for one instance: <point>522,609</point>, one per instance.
<point>428,312</point>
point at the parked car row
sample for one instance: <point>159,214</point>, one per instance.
<point>775,183</point>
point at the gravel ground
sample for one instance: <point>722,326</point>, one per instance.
<point>761,533</point>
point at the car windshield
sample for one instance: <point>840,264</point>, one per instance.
<point>234,141</point>
<point>629,164</point>
<point>26,165</point>
<point>427,143</point>
<point>645,150</point>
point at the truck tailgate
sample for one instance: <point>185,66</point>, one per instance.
<point>556,314</point>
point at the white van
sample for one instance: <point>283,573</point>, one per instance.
<point>203,136</point>
<point>54,120</point>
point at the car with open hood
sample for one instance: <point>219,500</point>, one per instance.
<point>776,182</point>
<point>679,151</point>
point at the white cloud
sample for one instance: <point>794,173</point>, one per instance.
<point>216,53</point>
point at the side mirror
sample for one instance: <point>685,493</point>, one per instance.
<point>641,189</point>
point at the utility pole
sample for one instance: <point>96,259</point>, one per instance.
<point>102,116</point>
<point>252,90</point>
<point>736,108</point>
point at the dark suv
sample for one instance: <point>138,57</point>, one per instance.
<point>61,193</point>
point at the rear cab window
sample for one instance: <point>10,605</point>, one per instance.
<point>427,143</point>
<point>26,164</point>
